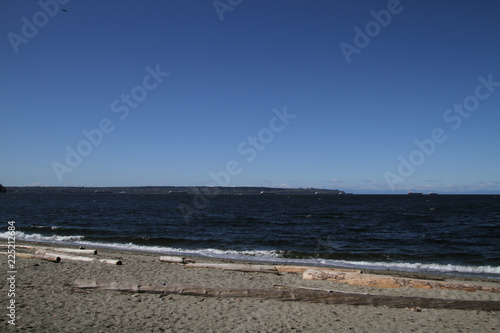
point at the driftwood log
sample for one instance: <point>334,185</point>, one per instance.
<point>302,269</point>
<point>39,256</point>
<point>316,296</point>
<point>76,251</point>
<point>64,256</point>
<point>110,261</point>
<point>78,258</point>
<point>177,260</point>
<point>58,249</point>
<point>261,268</point>
<point>237,267</point>
<point>282,286</point>
<point>386,281</point>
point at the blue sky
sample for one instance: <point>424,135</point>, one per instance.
<point>261,93</point>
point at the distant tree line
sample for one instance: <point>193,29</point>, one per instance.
<point>2,189</point>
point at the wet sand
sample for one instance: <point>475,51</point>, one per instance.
<point>46,301</point>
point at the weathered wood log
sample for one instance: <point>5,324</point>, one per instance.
<point>291,295</point>
<point>177,260</point>
<point>110,261</point>
<point>39,256</point>
<point>236,267</point>
<point>282,286</point>
<point>386,281</point>
<point>262,268</point>
<point>79,258</point>
<point>64,256</point>
<point>57,249</point>
<point>67,250</point>
<point>302,269</point>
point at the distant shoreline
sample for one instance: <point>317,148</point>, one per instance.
<point>176,190</point>
<point>216,190</point>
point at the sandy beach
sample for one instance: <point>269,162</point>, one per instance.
<point>47,301</point>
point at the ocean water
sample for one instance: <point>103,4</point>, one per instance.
<point>443,233</point>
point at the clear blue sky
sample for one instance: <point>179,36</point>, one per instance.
<point>348,106</point>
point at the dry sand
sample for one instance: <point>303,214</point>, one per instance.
<point>46,301</point>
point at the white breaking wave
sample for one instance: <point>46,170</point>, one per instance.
<point>267,256</point>
<point>41,238</point>
<point>79,240</point>
<point>421,267</point>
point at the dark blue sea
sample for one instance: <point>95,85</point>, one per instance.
<point>442,233</point>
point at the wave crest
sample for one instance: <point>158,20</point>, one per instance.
<point>267,256</point>
<point>41,238</point>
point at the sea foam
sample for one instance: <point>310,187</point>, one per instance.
<point>266,256</point>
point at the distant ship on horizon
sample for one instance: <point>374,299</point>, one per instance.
<point>267,193</point>
<point>420,193</point>
<point>177,192</point>
<point>414,193</point>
